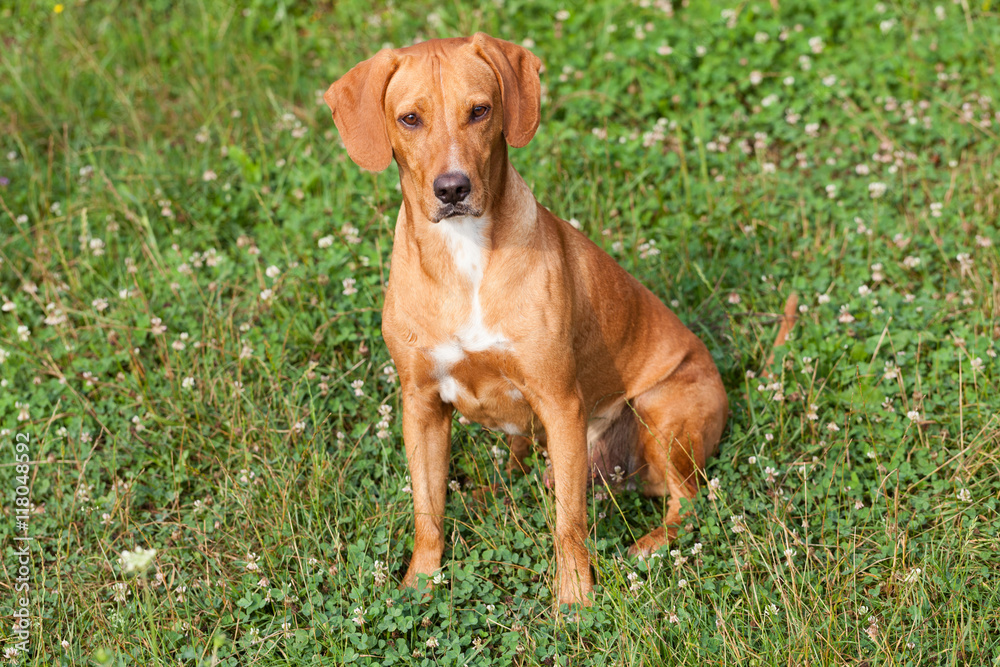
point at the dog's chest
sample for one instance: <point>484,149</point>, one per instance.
<point>473,362</point>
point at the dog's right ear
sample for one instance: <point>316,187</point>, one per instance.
<point>357,100</point>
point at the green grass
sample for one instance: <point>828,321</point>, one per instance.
<point>157,158</point>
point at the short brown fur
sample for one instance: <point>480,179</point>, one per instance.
<point>499,309</point>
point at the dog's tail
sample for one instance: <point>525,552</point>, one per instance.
<point>788,320</point>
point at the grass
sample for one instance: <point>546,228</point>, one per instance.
<point>179,394</point>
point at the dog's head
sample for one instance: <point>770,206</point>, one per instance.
<point>444,109</point>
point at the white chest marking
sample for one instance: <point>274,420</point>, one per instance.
<point>463,237</point>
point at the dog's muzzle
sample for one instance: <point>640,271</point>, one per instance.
<point>455,211</point>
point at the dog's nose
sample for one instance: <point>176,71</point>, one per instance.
<point>452,187</point>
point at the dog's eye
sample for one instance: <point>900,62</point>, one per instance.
<point>410,120</point>
<point>479,111</point>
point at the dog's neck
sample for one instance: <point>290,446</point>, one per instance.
<point>462,245</point>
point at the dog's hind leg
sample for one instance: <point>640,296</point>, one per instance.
<point>520,449</point>
<point>680,423</point>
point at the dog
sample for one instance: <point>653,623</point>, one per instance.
<point>500,310</point>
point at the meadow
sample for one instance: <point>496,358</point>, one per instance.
<point>191,276</point>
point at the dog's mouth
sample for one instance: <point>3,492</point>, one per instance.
<point>455,210</point>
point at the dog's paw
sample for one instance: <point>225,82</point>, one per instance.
<point>652,542</point>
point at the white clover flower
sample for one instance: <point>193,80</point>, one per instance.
<point>380,573</point>
<point>913,415</point>
<point>876,189</point>
<point>965,495</point>
<point>266,294</point>
<point>272,271</point>
<point>188,383</point>
<point>120,591</point>
<point>251,565</point>
<point>138,560</point>
<point>208,175</point>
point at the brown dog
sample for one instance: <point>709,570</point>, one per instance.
<point>499,309</point>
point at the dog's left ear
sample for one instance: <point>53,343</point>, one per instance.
<point>516,69</point>
<point>356,100</point>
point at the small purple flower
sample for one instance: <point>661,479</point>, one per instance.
<point>4,181</point>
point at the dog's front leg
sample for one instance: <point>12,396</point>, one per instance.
<point>427,436</point>
<point>566,426</point>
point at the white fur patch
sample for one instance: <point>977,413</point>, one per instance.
<point>515,394</point>
<point>510,429</point>
<point>447,355</point>
<point>464,237</point>
<point>448,388</point>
